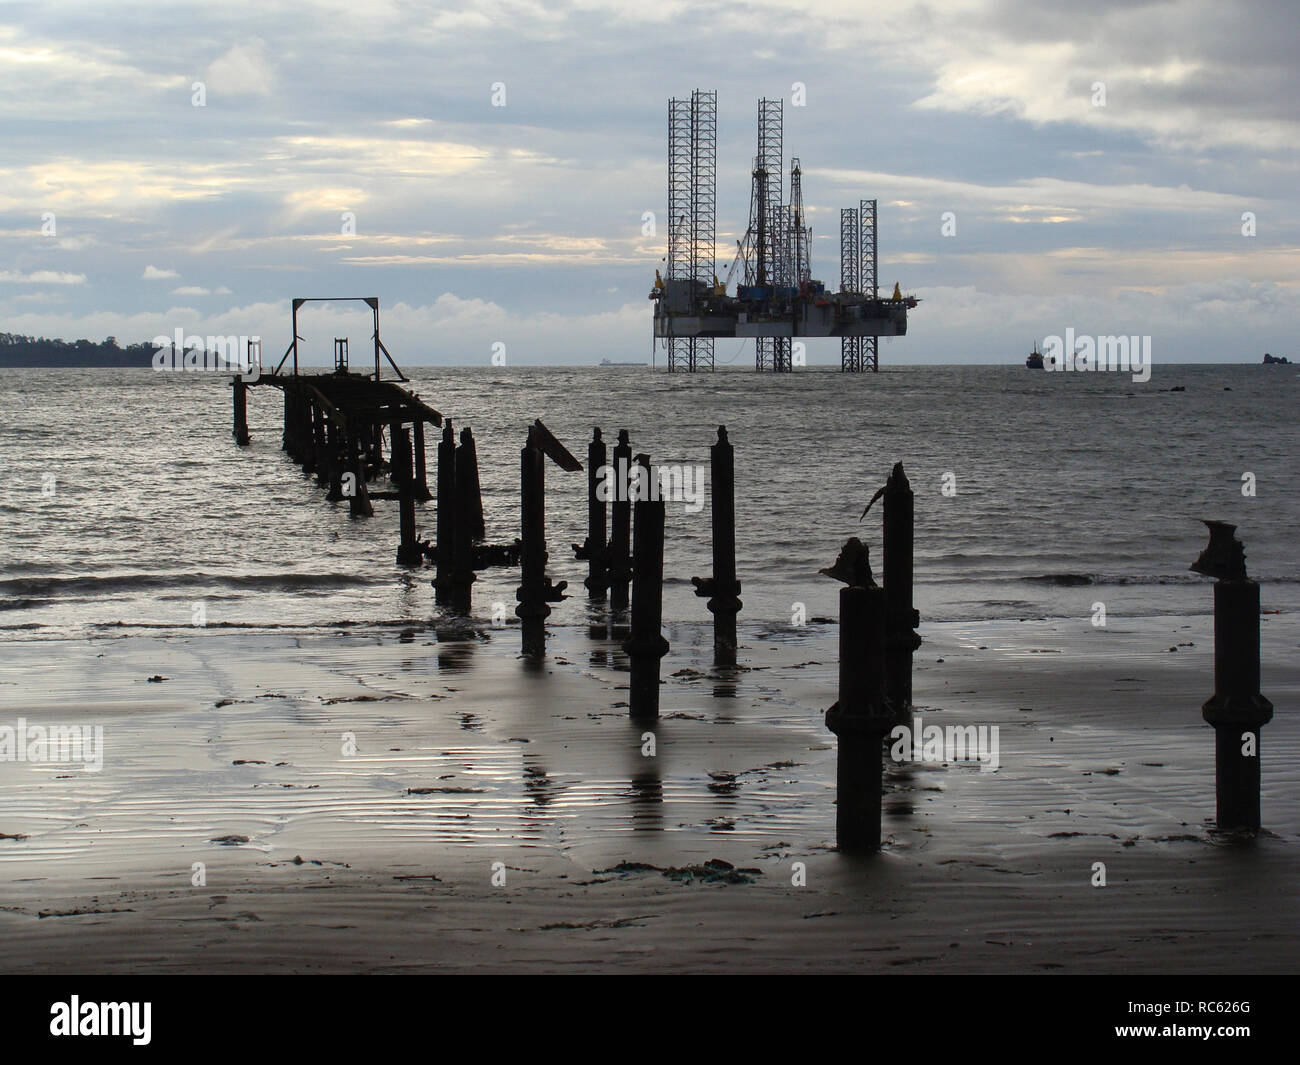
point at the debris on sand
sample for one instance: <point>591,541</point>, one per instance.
<point>714,871</point>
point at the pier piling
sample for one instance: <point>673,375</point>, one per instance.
<point>446,514</point>
<point>646,645</point>
<point>409,552</point>
<point>722,588</point>
<point>467,524</point>
<point>593,549</point>
<point>1237,710</point>
<point>901,618</point>
<point>619,555</point>
<point>240,395</point>
<point>359,505</point>
<point>422,492</point>
<point>863,714</point>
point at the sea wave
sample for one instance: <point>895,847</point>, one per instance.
<point>23,587</point>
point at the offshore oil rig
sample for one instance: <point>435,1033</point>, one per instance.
<point>776,297</point>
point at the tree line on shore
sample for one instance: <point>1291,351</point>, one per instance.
<point>17,350</point>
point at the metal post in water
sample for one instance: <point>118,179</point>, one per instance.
<point>240,431</point>
<point>422,492</point>
<point>722,588</point>
<point>1237,710</point>
<point>333,456</point>
<point>901,618</point>
<point>620,543</point>
<point>593,549</point>
<point>534,592</point>
<point>646,645</point>
<point>535,589</point>
<point>409,551</point>
<point>467,485</point>
<point>446,515</point>
<point>359,505</point>
<point>467,525</point>
<point>863,714</point>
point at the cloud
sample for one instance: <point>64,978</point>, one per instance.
<point>152,273</point>
<point>191,290</point>
<point>243,70</point>
<point>41,277</point>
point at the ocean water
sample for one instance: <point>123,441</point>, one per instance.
<point>126,504</point>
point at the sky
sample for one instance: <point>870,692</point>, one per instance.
<point>484,168</point>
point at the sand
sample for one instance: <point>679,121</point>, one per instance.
<point>500,816</point>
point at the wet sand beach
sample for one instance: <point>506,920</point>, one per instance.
<point>382,801</point>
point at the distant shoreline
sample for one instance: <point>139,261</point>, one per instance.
<point>8,362</point>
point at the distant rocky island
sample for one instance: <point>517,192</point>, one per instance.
<point>16,350</point>
<point>1276,360</point>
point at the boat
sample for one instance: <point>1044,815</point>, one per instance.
<point>606,362</point>
<point>1035,360</point>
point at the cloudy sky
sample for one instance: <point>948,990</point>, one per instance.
<point>521,224</point>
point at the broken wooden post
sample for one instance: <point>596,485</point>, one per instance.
<point>446,519</point>
<point>467,525</point>
<point>359,505</point>
<point>409,550</point>
<point>863,713</point>
<point>536,590</point>
<point>901,618</point>
<point>619,557</point>
<point>334,437</point>
<point>467,485</point>
<point>533,609</point>
<point>286,440</point>
<point>1237,710</point>
<point>646,645</point>
<point>240,389</point>
<point>320,444</point>
<point>593,549</point>
<point>306,443</point>
<point>422,492</point>
<point>722,588</point>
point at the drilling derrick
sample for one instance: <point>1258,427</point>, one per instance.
<point>776,297</point>
<point>692,220</point>
<point>704,210</point>
<point>850,285</point>
<point>870,359</point>
<point>772,351</point>
<point>800,238</point>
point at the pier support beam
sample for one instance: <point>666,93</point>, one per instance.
<point>1237,710</point>
<point>446,519</point>
<point>334,457</point>
<point>422,492</point>
<point>359,505</point>
<point>535,591</point>
<point>901,618</point>
<point>240,394</point>
<point>646,645</point>
<point>863,713</point>
<point>593,549</point>
<point>619,556</point>
<point>409,550</point>
<point>722,588</point>
<point>467,525</point>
